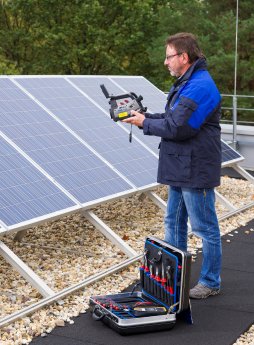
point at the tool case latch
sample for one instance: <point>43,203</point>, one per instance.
<point>97,313</point>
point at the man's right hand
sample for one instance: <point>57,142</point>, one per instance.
<point>137,119</point>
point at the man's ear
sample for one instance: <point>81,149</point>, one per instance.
<point>185,58</point>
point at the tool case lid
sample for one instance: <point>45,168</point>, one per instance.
<point>162,253</point>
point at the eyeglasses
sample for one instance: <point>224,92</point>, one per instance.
<point>169,57</point>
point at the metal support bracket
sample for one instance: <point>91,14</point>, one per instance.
<point>224,201</point>
<point>25,271</point>
<point>157,200</point>
<point>243,172</point>
<point>109,233</point>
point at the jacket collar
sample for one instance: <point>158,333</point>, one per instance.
<point>198,65</point>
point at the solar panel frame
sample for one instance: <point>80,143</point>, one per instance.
<point>3,227</point>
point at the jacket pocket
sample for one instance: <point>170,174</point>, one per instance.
<point>175,163</point>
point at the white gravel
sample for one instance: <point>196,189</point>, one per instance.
<point>67,251</point>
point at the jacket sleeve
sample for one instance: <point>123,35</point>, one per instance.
<point>173,126</point>
<point>155,115</point>
<point>184,120</point>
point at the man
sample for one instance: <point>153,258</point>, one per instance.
<point>190,155</point>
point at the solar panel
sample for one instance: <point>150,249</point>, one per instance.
<point>229,155</point>
<point>25,193</point>
<point>91,124</point>
<point>82,172</point>
<point>56,150</point>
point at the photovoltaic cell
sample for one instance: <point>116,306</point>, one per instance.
<point>91,86</point>
<point>25,193</point>
<point>134,161</point>
<point>55,149</point>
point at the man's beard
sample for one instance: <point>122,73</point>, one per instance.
<point>173,73</point>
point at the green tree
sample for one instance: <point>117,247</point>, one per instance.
<point>78,37</point>
<point>123,37</point>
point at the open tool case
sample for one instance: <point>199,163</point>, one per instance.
<point>164,280</point>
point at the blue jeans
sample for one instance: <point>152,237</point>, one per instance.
<point>199,206</point>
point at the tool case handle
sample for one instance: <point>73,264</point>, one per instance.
<point>97,313</point>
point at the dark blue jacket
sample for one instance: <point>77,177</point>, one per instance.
<point>190,148</point>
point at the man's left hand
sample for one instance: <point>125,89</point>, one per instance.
<point>136,119</point>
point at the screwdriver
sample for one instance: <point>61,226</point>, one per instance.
<point>152,281</point>
<point>163,283</point>
<point>141,270</point>
<point>146,274</point>
<point>170,288</point>
<point>157,283</point>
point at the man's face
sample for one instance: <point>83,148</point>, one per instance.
<point>175,61</point>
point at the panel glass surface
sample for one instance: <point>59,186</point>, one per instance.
<point>91,86</point>
<point>55,149</point>
<point>25,193</point>
<point>132,160</point>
